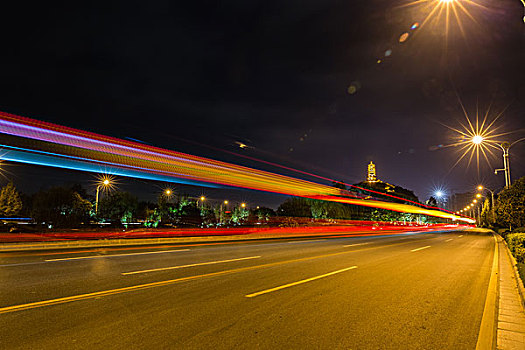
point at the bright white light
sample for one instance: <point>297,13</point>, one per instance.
<point>477,139</point>
<point>439,194</point>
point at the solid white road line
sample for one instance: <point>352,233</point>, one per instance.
<point>190,265</point>
<point>298,282</point>
<point>315,240</point>
<point>113,255</point>
<point>415,250</point>
<point>353,245</point>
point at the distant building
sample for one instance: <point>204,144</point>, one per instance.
<point>371,177</point>
<point>458,201</point>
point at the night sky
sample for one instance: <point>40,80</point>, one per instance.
<point>322,86</point>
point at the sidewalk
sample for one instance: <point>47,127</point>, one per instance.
<point>511,314</point>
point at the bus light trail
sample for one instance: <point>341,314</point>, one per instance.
<point>30,141</point>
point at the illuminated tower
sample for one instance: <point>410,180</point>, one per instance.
<point>371,173</point>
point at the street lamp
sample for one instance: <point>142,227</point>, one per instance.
<point>202,199</point>
<point>105,183</point>
<point>441,198</point>
<point>168,192</point>
<point>221,210</point>
<point>243,205</point>
<point>477,139</point>
<point>481,188</point>
<point>505,146</point>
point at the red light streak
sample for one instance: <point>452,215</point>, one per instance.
<point>98,149</point>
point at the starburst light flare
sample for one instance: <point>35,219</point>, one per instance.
<point>477,138</point>
<point>443,13</point>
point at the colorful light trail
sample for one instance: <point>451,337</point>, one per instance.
<point>30,141</point>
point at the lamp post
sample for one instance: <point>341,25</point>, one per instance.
<point>104,183</point>
<point>493,214</point>
<point>222,214</point>
<point>505,147</point>
<point>168,193</point>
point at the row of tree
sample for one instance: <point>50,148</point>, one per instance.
<point>508,209</point>
<point>67,207</point>
<point>317,209</point>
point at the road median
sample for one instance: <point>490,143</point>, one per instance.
<point>202,237</point>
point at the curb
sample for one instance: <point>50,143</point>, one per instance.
<point>487,336</point>
<point>514,263</point>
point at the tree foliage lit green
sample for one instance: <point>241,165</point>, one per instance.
<point>118,207</point>
<point>10,202</point>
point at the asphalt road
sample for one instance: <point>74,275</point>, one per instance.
<point>417,291</point>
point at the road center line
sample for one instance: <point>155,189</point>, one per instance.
<point>460,236</point>
<point>425,247</point>
<point>113,255</point>
<point>448,240</point>
<point>298,282</point>
<point>356,244</point>
<point>316,240</point>
<point>190,265</point>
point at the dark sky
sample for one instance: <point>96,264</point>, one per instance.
<point>198,76</point>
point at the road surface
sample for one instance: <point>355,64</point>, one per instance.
<point>408,291</point>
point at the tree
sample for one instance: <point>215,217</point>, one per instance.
<point>339,184</point>
<point>240,215</point>
<point>486,217</point>
<point>10,202</point>
<point>385,215</point>
<point>319,209</point>
<point>263,214</point>
<point>119,207</point>
<point>295,207</point>
<point>166,211</point>
<point>189,213</point>
<point>61,207</point>
<point>386,191</point>
<point>510,206</point>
